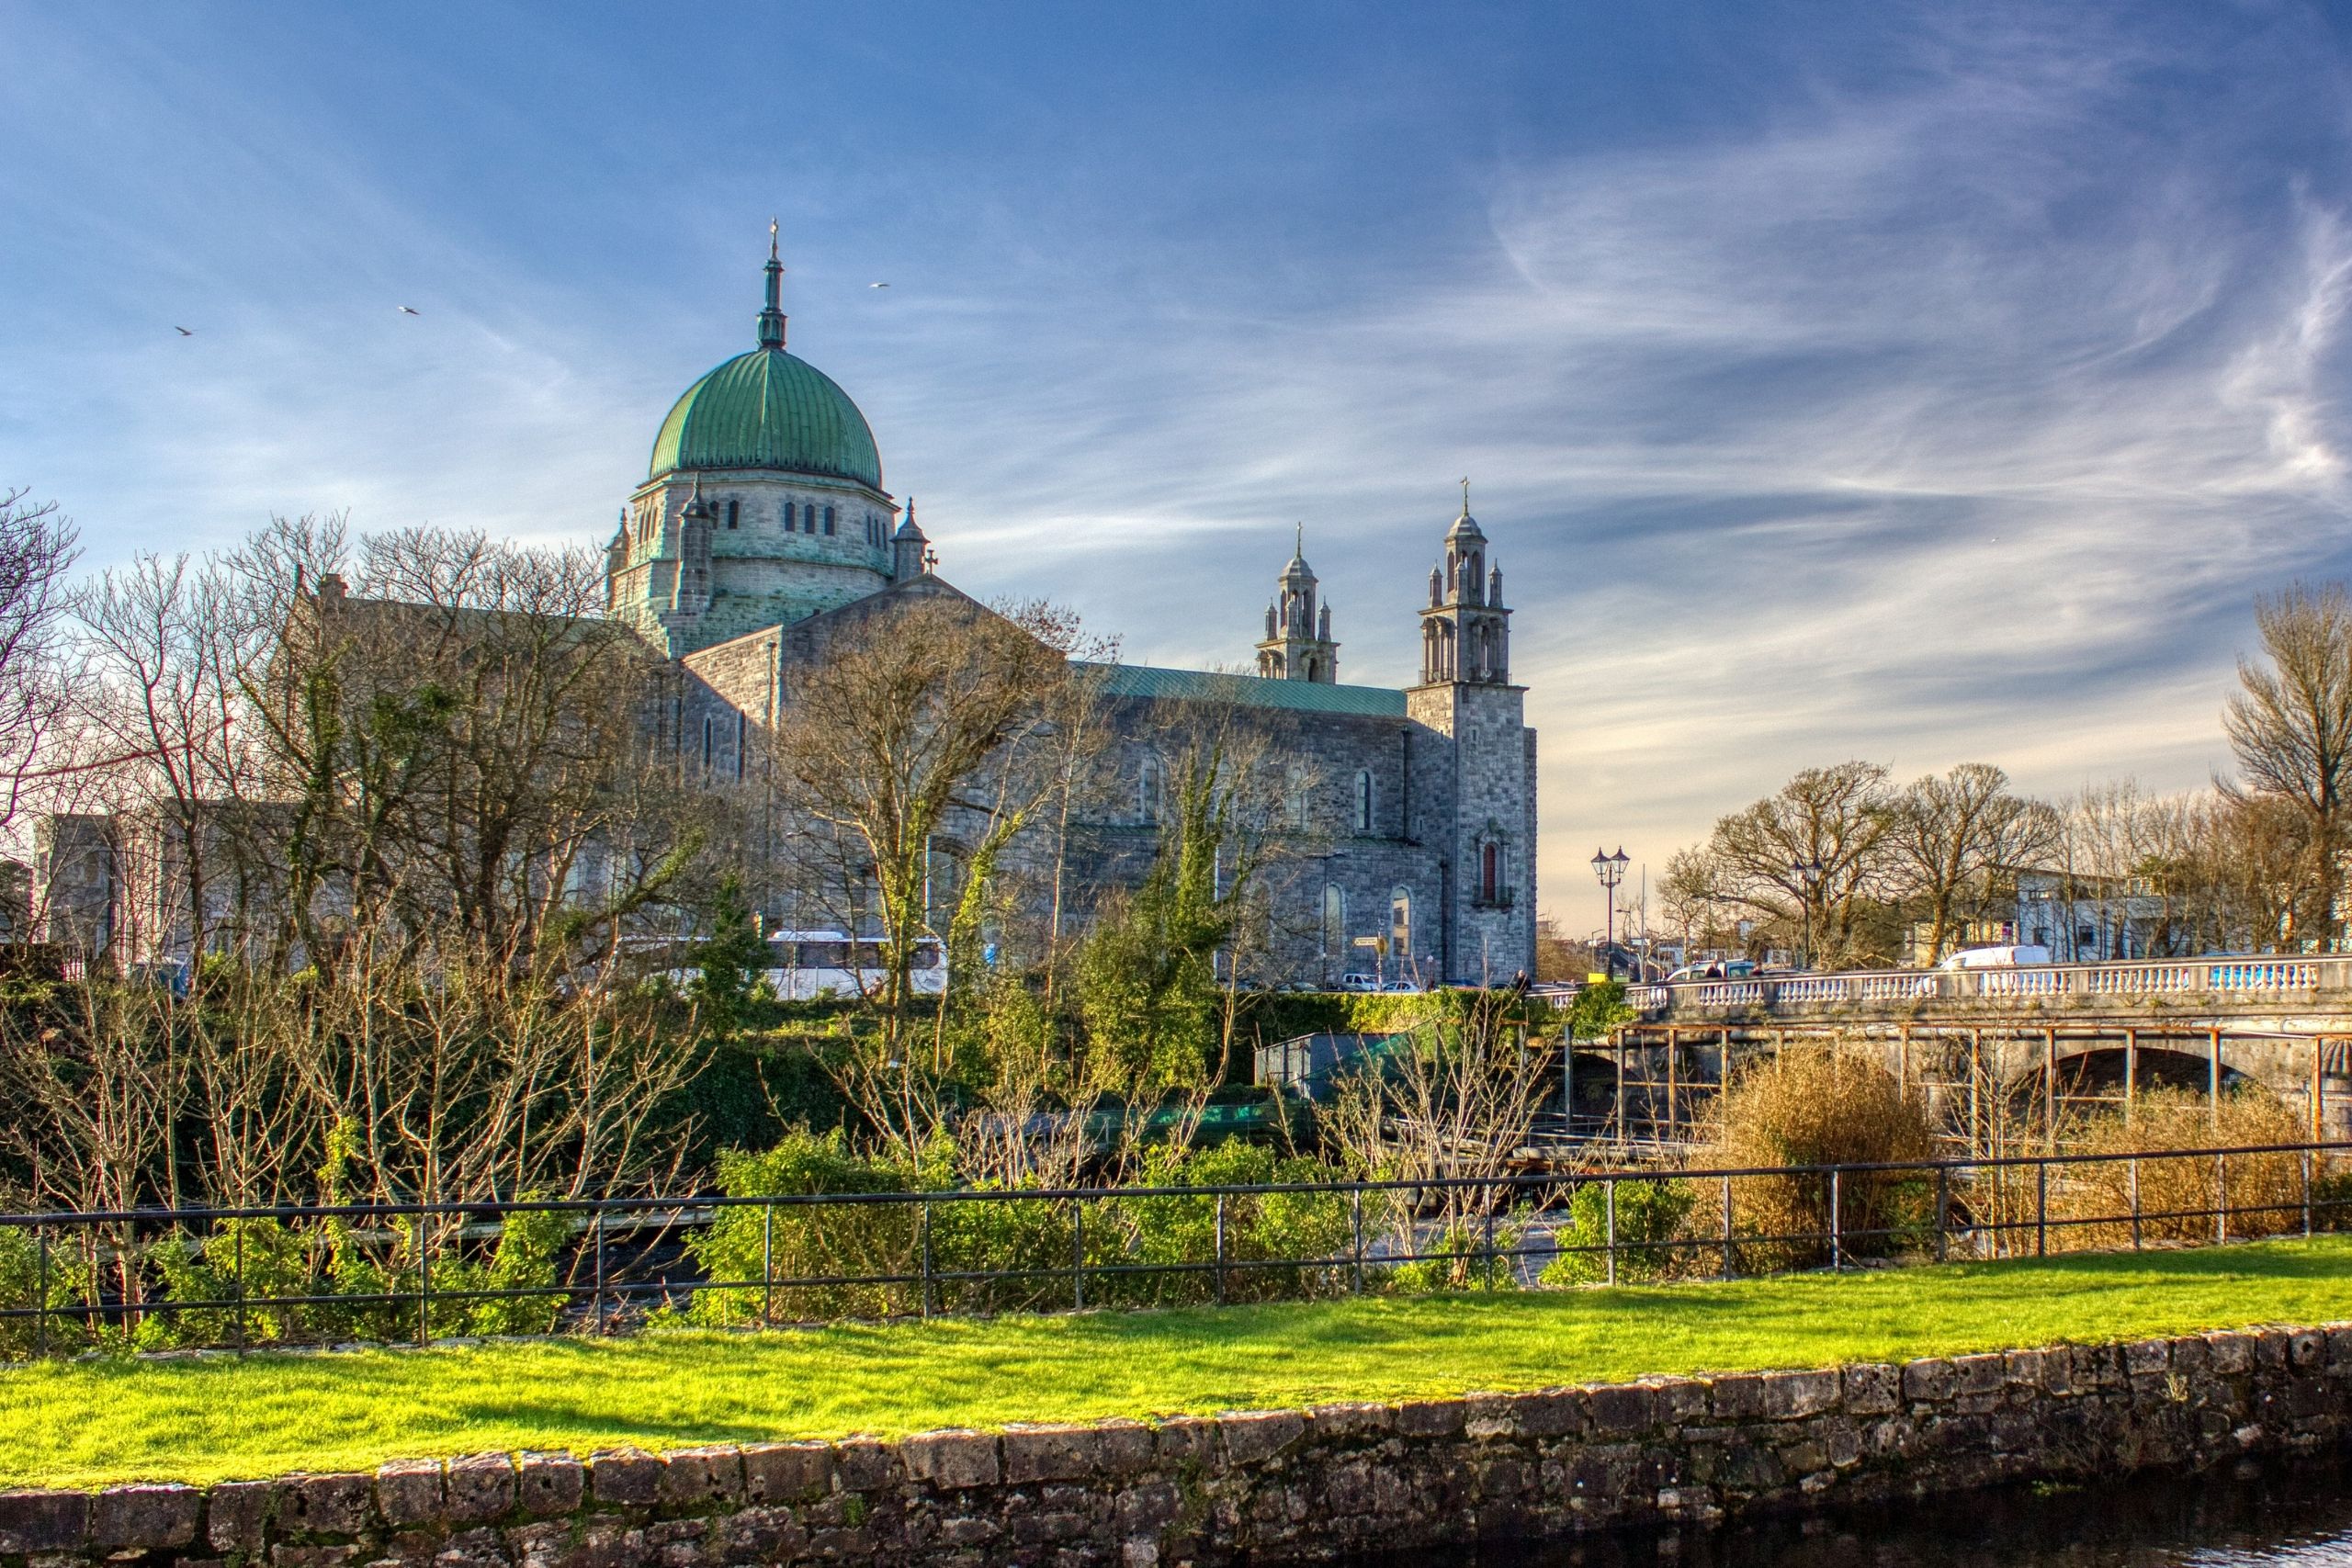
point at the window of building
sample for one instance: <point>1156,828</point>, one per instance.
<point>734,511</point>
<point>1490,870</point>
<point>829,522</point>
<point>1299,807</point>
<point>742,733</point>
<point>789,516</point>
<point>1335,922</point>
<point>1147,790</point>
<point>1364,801</point>
<point>706,742</point>
<point>1400,924</point>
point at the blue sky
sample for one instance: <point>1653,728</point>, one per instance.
<point>1927,384</point>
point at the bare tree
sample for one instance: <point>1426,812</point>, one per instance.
<point>1456,1097</point>
<point>913,725</point>
<point>37,548</point>
<point>1954,838</point>
<point>2290,728</point>
<point>1811,853</point>
<point>1692,895</point>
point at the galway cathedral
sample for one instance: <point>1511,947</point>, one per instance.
<point>1409,854</point>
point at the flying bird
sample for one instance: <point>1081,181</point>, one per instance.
<point>183,332</point>
<point>406,311</point>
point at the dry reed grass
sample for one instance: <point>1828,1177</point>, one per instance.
<point>1829,1104</point>
<point>2091,1205</point>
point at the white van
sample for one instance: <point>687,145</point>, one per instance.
<point>1996,957</point>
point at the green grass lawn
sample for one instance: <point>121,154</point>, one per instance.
<point>213,1418</point>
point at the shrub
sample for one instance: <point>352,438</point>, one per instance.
<point>1462,1256</point>
<point>240,1258</point>
<point>267,1265</point>
<point>748,1243</point>
<point>1260,1228</point>
<point>1822,1105</point>
<point>2090,1205</point>
<point>20,1287</point>
<point>1649,1215</point>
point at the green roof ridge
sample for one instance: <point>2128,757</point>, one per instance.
<point>1248,691</point>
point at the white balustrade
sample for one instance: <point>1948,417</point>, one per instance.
<point>2254,977</point>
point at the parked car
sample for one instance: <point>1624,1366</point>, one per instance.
<point>1359,982</point>
<point>1405,987</point>
<point>1996,957</point>
<point>1732,969</point>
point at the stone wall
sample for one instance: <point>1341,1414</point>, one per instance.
<point>1268,1486</point>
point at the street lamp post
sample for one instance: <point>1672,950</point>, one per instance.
<point>1809,873</point>
<point>1611,869</point>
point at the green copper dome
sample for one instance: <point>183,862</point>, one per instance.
<point>768,408</point>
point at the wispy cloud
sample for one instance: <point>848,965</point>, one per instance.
<point>1957,422</point>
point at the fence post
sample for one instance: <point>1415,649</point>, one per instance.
<point>2133,1174</point>
<point>1486,1269</point>
<point>1356,1224</point>
<point>2041,1208</point>
<point>424,1278</point>
<point>767,1264</point>
<point>241,1288</point>
<point>1729,1268</point>
<point>1220,1250</point>
<point>1609,1197</point>
<point>1078,1252</point>
<point>596,1300</point>
<point>2303,1163</point>
<point>1943,1207</point>
<point>926,1258</point>
<point>1836,1225</point>
<point>2221,1197</point>
<point>41,1320</point>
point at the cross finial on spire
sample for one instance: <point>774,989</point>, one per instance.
<point>1298,545</point>
<point>771,317</point>
<point>1465,496</point>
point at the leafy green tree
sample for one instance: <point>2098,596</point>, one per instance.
<point>731,960</point>
<point>1600,1010</point>
<point>1147,978</point>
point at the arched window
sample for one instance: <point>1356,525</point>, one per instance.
<point>1490,870</point>
<point>788,519</point>
<point>829,522</point>
<point>734,510</point>
<point>706,742</point>
<point>1300,810</point>
<point>1147,790</point>
<point>1400,924</point>
<point>1335,922</point>
<point>1364,801</point>
<point>742,733</point>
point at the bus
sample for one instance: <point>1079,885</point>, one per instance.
<point>810,964</point>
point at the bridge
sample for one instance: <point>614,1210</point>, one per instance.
<point>1993,1048</point>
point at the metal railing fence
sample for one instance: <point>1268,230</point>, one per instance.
<point>425,1273</point>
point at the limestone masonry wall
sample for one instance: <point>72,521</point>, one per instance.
<point>1266,1486</point>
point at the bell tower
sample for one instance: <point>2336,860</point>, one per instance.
<point>1485,781</point>
<point>1465,630</point>
<point>1298,644</point>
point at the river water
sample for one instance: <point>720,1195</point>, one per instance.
<point>2300,1515</point>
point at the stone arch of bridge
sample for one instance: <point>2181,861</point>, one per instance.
<point>2088,1075</point>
